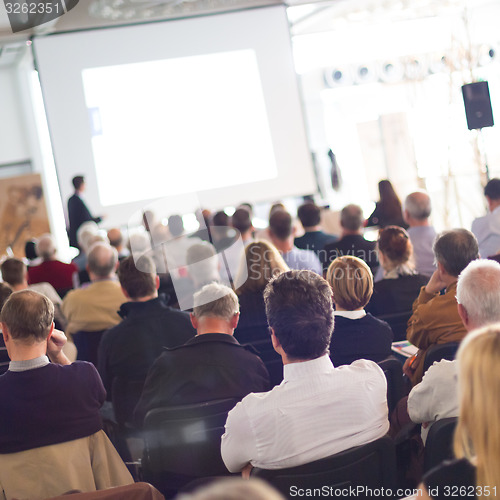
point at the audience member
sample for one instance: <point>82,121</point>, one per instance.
<point>5,292</point>
<point>221,235</point>
<point>86,232</point>
<point>417,210</point>
<point>51,270</point>
<point>176,248</point>
<point>388,210</point>
<point>313,413</point>
<point>115,237</point>
<point>94,308</point>
<point>129,349</point>
<point>357,335</point>
<point>281,233</point>
<point>435,318</point>
<point>30,252</point>
<point>78,213</point>
<point>478,297</point>
<point>401,284</point>
<point>475,471</point>
<point>242,221</point>
<point>314,238</point>
<point>487,228</point>
<point>352,241</point>
<point>210,366</point>
<point>55,403</point>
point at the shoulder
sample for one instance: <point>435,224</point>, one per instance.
<point>443,368</point>
<point>365,369</point>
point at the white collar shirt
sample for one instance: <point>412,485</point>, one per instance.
<point>317,411</point>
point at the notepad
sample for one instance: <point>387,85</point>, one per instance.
<point>404,348</point>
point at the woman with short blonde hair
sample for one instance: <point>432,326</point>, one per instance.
<point>356,335</point>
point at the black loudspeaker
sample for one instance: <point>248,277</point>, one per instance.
<point>477,105</point>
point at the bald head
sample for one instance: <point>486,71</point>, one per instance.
<point>115,238</point>
<point>101,261</point>
<point>417,208</point>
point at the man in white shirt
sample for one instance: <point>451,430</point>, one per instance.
<point>317,410</point>
<point>478,296</point>
<point>487,228</point>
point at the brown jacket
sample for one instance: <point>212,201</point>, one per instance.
<point>435,320</point>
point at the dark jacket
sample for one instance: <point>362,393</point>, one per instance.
<point>207,367</point>
<point>352,244</point>
<point>78,213</point>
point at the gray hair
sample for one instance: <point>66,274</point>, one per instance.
<point>418,205</point>
<point>203,263</point>
<point>85,233</point>
<point>45,246</point>
<point>102,259</point>
<point>478,291</point>
<point>216,300</point>
<point>455,249</point>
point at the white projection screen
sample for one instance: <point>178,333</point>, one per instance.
<point>208,107</point>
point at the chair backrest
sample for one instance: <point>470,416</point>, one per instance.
<point>393,372</point>
<point>87,344</point>
<point>398,323</point>
<point>372,465</point>
<point>439,443</point>
<point>438,352</point>
<point>125,395</point>
<point>185,440</point>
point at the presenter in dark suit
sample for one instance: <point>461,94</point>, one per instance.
<point>78,213</point>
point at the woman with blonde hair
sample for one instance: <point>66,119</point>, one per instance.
<point>357,334</point>
<point>476,470</point>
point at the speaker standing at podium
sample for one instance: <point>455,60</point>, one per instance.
<point>78,213</point>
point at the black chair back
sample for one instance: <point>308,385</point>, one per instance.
<point>439,443</point>
<point>87,344</point>
<point>372,465</point>
<point>398,323</point>
<point>393,372</point>
<point>438,352</point>
<point>182,443</point>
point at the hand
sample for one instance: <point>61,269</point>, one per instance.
<point>56,341</point>
<point>435,284</point>
<point>425,425</point>
<point>408,370</point>
<point>245,472</point>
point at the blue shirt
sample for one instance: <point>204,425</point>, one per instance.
<point>303,260</point>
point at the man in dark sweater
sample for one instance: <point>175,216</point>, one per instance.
<point>212,365</point>
<point>48,403</point>
<point>129,349</point>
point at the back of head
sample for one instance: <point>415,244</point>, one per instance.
<point>220,219</point>
<point>216,300</point>
<point>77,181</point>
<point>28,316</point>
<point>477,436</point>
<point>5,293</point>
<point>351,217</point>
<point>241,220</point>
<point>263,261</point>
<point>101,260</point>
<point>85,233</point>
<point>492,189</point>
<point>280,224</point>
<point>13,271</point>
<point>455,249</point>
<point>202,262</point>
<point>395,244</point>
<point>351,281</point>
<point>45,247</point>
<point>138,283</point>
<point>299,310</point>
<point>478,291</point>
<point>115,237</point>
<point>30,250</point>
<point>418,205</point>
<point>175,225</point>
<point>309,215</point>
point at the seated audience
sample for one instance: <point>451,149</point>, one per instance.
<point>401,284</point>
<point>351,241</point>
<point>388,210</point>
<point>95,307</point>
<point>281,233</point>
<point>478,297</point>
<point>242,221</point>
<point>15,273</point>
<point>313,413</point>
<point>314,238</point>
<point>5,291</point>
<point>115,237</point>
<point>475,471</point>
<point>51,270</point>
<point>417,210</point>
<point>221,235</point>
<point>487,228</point>
<point>129,349</point>
<point>176,248</point>
<point>435,319</point>
<point>212,365</point>
<point>357,335</point>
<point>54,403</point>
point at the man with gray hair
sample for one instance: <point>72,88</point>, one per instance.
<point>95,307</point>
<point>417,210</point>
<point>478,297</point>
<point>210,366</point>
